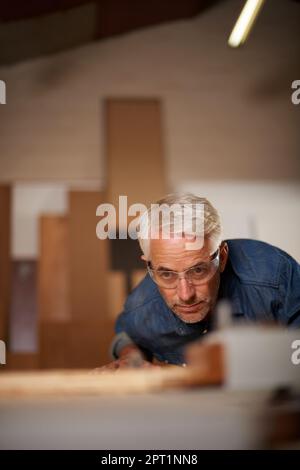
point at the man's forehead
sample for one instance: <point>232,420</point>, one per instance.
<point>183,245</point>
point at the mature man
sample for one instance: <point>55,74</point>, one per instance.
<point>189,271</point>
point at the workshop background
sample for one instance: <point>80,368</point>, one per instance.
<point>123,97</point>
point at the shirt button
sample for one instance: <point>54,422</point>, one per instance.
<point>204,332</point>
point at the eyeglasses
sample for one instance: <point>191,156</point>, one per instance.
<point>199,274</point>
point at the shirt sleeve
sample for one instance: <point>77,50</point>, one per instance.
<point>290,293</point>
<point>119,342</point>
<point>122,328</point>
<point>122,337</point>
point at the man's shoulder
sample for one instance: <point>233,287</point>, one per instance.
<point>257,262</point>
<point>144,293</point>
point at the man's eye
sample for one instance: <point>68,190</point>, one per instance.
<point>166,275</point>
<point>199,270</point>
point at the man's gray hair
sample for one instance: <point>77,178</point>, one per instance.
<point>182,215</point>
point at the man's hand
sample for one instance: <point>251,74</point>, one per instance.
<point>130,357</point>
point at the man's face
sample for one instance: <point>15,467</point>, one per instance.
<point>191,303</point>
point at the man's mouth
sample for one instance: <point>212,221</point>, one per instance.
<point>190,308</point>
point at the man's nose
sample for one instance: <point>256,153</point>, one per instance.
<point>185,290</point>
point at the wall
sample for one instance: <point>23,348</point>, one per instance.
<point>228,113</point>
<point>264,210</point>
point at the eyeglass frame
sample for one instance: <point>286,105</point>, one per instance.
<point>214,256</point>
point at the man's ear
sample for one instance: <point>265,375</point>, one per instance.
<point>223,256</point>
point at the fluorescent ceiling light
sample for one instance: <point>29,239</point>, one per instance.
<point>245,22</point>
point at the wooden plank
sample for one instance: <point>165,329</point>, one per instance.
<point>135,150</point>
<point>53,272</point>
<point>5,264</point>
<point>72,383</point>
<point>89,259</point>
<point>53,349</point>
<point>75,344</point>
<point>21,361</point>
<point>88,344</point>
<point>74,327</point>
<point>116,293</point>
<point>90,331</point>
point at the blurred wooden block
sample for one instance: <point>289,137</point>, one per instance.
<point>137,276</point>
<point>210,358</point>
<point>89,259</point>
<point>116,293</point>
<point>249,356</point>
<point>5,263</point>
<point>53,272</point>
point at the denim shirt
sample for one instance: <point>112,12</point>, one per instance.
<point>261,282</point>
